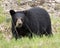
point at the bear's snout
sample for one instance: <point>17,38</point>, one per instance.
<point>19,23</point>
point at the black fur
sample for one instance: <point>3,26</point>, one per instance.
<point>37,20</point>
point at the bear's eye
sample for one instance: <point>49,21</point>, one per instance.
<point>16,19</point>
<point>22,19</point>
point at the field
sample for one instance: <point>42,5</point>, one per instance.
<point>36,41</point>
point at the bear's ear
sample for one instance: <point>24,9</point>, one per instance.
<point>12,12</point>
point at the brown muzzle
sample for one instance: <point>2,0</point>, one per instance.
<point>19,23</point>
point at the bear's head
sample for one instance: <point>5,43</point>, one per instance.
<point>17,18</point>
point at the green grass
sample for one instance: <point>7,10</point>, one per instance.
<point>2,15</point>
<point>18,1</point>
<point>2,18</point>
<point>55,19</point>
<point>35,42</point>
<point>55,23</point>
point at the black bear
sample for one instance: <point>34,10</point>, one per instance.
<point>35,20</point>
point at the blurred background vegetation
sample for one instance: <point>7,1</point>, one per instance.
<point>6,39</point>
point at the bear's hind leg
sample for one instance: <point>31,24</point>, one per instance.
<point>48,31</point>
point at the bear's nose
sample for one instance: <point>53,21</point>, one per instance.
<point>19,23</point>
